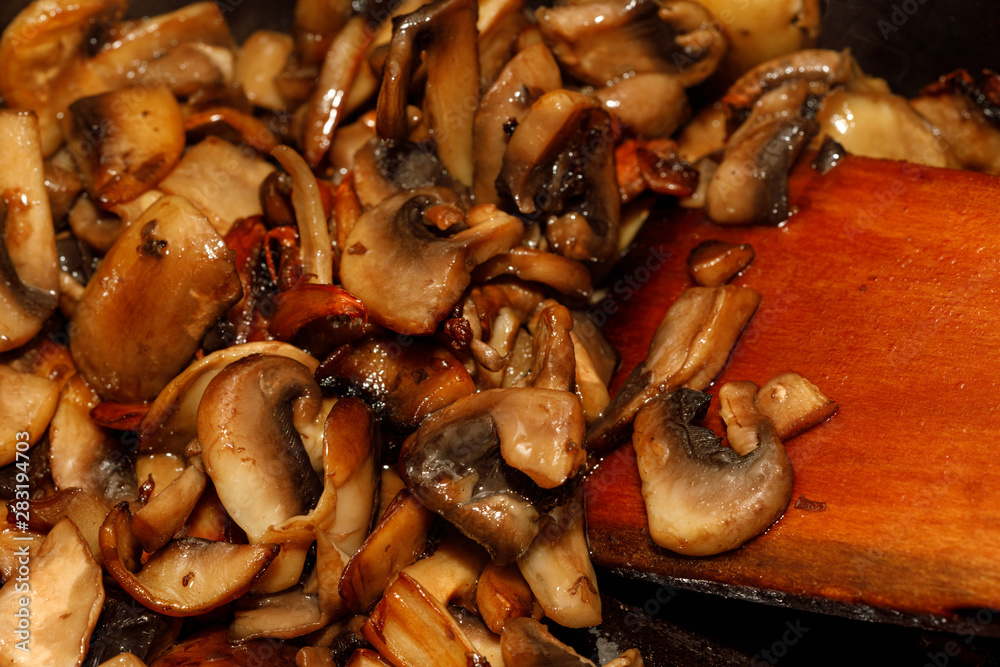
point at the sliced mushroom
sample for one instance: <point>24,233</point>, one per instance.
<point>247,428</point>
<point>453,462</point>
<point>882,125</point>
<point>502,595</point>
<point>966,114</point>
<point>170,423</point>
<point>554,365</point>
<point>85,509</point>
<point>208,646</point>
<point>689,348</point>
<point>341,65</point>
<point>62,182</point>
<point>27,405</point>
<point>284,615</point>
<point>560,162</point>
<point>794,404</point>
<point>260,59</point>
<point>650,104</point>
<point>29,270</point>
<point>187,577</point>
<point>592,390</point>
<point>316,250</point>
<point>759,30</point>
<point>702,498</point>
<point>170,267</point>
<point>161,518</point>
<point>527,642</point>
<point>221,179</point>
<point>411,628</point>
<point>123,660</point>
<point>557,567</point>
<point>350,461</point>
<point>600,42</point>
<point>364,657</point>
<point>397,541</point>
<point>823,67</point>
<point>566,275</point>
<point>714,263</point>
<point>449,575</point>
<point>431,271</point>
<point>414,381</point>
<point>531,73</point>
<point>38,48</point>
<point>53,604</point>
<point>751,183</point>
<point>446,32</point>
<point>84,455</point>
<point>125,141</point>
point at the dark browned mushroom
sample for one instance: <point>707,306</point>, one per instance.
<point>125,141</point>
<point>493,462</point>
<point>689,348</point>
<point>446,33</point>
<point>531,73</point>
<point>559,168</point>
<point>702,498</point>
<point>169,267</point>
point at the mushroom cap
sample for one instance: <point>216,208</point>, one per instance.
<point>702,498</point>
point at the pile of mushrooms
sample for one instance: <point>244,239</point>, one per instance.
<point>293,333</point>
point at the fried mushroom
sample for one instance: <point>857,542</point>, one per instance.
<point>702,498</point>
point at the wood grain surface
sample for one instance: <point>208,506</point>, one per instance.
<point>883,290</point>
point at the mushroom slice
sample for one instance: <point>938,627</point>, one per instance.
<point>326,108</point>
<point>29,267</point>
<point>714,263</point>
<point>600,42</point>
<point>85,455</point>
<point>365,657</point>
<point>450,574</point>
<point>490,462</point>
<point>502,595</point>
<point>397,541</point>
<point>759,30</point>
<point>212,647</point>
<point>702,498</point>
<point>689,348</point>
<point>187,577</point>
<point>413,629</point>
<point>125,141</point>
<point>431,271</point>
<point>794,404</point>
<point>593,392</point>
<point>85,509</point>
<point>446,33</point>
<point>247,427</point>
<point>41,45</point>
<point>881,125</point>
<point>652,104</point>
<point>281,616</point>
<point>221,179</point>
<point>526,77</point>
<point>554,365</point>
<point>163,516</point>
<point>965,112</point>
<point>169,267</point>
<point>27,405</point>
<point>527,642</point>
<point>546,174</point>
<point>414,381</point>
<point>486,642</point>
<point>818,66</point>
<point>566,275</point>
<point>49,621</point>
<point>751,183</point>
<point>315,249</point>
<point>557,567</point>
<point>260,60</point>
<point>170,423</point>
<point>352,443</point>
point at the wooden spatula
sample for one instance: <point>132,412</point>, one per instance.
<point>884,290</point>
